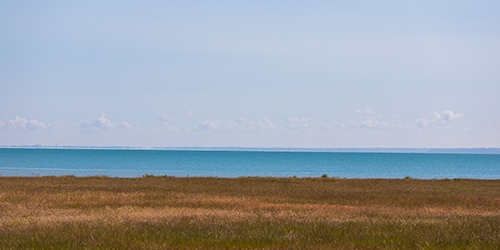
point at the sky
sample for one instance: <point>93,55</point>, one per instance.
<point>312,74</point>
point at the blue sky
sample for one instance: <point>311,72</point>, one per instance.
<point>250,74</point>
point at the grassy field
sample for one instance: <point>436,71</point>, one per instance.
<point>248,213</point>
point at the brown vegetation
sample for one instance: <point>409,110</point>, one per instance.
<point>248,212</point>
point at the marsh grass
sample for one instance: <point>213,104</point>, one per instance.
<point>248,213</point>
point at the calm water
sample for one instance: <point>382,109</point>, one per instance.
<point>135,163</point>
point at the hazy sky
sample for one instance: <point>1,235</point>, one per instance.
<point>250,73</point>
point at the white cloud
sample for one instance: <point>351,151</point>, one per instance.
<point>401,126</point>
<point>99,123</point>
<point>23,124</point>
<point>166,119</point>
<point>167,122</point>
<point>124,125</point>
<point>422,122</point>
<point>209,125</point>
<point>239,124</point>
<point>303,124</point>
<point>236,124</point>
<point>449,116</point>
<point>35,124</point>
<point>439,119</point>
<point>2,124</point>
<point>368,113</point>
<point>190,113</point>
<point>371,124</point>
<point>18,123</point>
<point>306,124</point>
<point>261,124</point>
<point>369,119</point>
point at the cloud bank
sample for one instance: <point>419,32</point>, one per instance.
<point>21,123</point>
<point>239,124</point>
<point>101,123</point>
<point>165,120</point>
<point>442,119</point>
<point>371,124</point>
<point>370,120</point>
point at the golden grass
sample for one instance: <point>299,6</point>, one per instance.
<point>249,213</point>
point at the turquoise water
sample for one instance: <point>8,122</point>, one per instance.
<point>135,163</point>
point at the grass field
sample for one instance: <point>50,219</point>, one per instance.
<point>248,213</point>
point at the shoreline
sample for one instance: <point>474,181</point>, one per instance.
<point>323,177</point>
<point>393,150</point>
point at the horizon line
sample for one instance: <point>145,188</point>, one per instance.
<point>457,150</point>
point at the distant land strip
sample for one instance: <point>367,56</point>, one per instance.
<point>279,149</point>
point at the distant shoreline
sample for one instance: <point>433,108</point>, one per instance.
<point>323,178</point>
<point>279,149</point>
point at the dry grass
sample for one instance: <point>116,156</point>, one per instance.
<point>257,213</point>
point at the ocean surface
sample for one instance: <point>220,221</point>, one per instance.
<point>136,163</point>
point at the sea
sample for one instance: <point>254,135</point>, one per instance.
<point>231,164</point>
